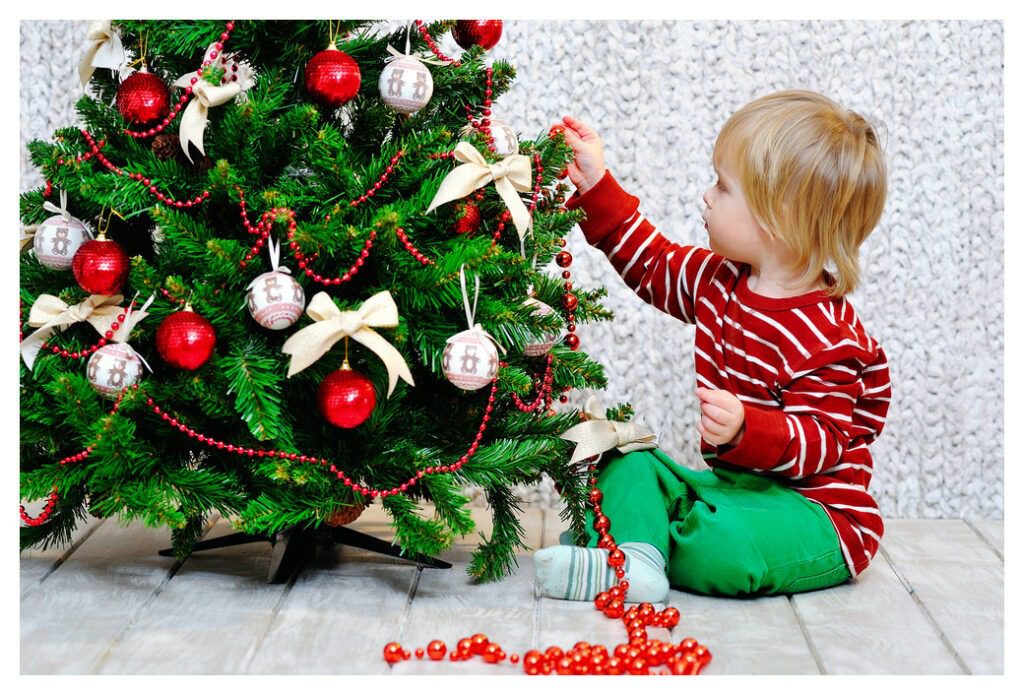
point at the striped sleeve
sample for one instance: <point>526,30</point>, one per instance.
<point>813,429</point>
<point>667,275</point>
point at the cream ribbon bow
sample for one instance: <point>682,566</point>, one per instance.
<point>509,175</point>
<point>106,50</point>
<point>599,434</point>
<point>50,314</point>
<point>332,324</point>
<point>205,96</point>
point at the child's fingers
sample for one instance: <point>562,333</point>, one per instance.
<point>719,415</point>
<point>723,399</point>
<point>585,131</point>
<point>711,426</point>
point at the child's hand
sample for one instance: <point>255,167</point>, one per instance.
<point>722,417</point>
<point>588,166</point>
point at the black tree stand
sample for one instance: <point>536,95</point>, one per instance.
<point>293,546</point>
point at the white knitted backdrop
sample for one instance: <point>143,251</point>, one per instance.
<point>657,92</point>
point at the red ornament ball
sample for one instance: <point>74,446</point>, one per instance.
<point>332,77</point>
<point>563,259</point>
<point>393,652</point>
<point>573,341</point>
<point>477,32</point>
<point>467,218</point>
<point>185,340</point>
<point>143,98</point>
<point>346,398</point>
<point>100,266</point>
<point>436,650</point>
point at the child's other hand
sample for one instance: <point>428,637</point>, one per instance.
<point>588,166</point>
<point>722,416</point>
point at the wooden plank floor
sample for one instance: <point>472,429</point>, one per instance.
<point>931,603</point>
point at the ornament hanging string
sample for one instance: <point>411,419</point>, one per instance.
<point>471,313</point>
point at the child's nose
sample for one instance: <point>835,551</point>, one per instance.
<point>707,197</point>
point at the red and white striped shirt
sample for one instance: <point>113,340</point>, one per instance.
<point>814,385</point>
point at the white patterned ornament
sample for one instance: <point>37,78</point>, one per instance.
<point>113,368</point>
<point>505,141</point>
<point>58,239</point>
<point>405,84</point>
<point>470,359</point>
<point>276,300</point>
<point>544,345</point>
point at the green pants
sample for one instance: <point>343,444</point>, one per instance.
<point>723,532</point>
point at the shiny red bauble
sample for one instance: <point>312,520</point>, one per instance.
<point>573,341</point>
<point>185,340</point>
<point>477,32</point>
<point>346,398</point>
<point>143,98</point>
<point>100,266</point>
<point>563,259</point>
<point>332,77</point>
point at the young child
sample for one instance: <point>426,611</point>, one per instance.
<point>792,388</point>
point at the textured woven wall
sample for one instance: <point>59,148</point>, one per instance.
<point>658,92</point>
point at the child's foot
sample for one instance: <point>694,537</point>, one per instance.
<point>580,574</point>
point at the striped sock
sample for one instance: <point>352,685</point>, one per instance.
<point>580,574</point>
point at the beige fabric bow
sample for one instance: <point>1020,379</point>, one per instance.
<point>50,314</point>
<point>332,324</point>
<point>106,50</point>
<point>510,175</point>
<point>599,434</point>
<point>205,96</point>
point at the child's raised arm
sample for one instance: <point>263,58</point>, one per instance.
<point>664,274</point>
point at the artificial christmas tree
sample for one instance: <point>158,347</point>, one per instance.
<point>368,205</point>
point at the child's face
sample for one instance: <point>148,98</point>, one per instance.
<point>732,230</point>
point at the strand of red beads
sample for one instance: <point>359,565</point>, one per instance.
<point>370,192</point>
<point>81,157</point>
<point>139,177</point>
<point>183,99</point>
<point>543,399</point>
<point>415,252</point>
<point>44,515</point>
<point>75,458</point>
<point>262,230</point>
<point>640,655</point>
<point>483,125</point>
<point>48,190</point>
<point>433,46</point>
<point>338,473</point>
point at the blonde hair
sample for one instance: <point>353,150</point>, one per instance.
<point>813,175</point>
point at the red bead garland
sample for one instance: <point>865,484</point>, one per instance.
<point>370,192</point>
<point>139,177</point>
<point>183,99</point>
<point>640,655</point>
<point>366,491</point>
<point>433,46</point>
<point>75,458</point>
<point>543,400</point>
<point>43,515</point>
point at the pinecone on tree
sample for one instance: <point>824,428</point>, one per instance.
<point>166,145</point>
